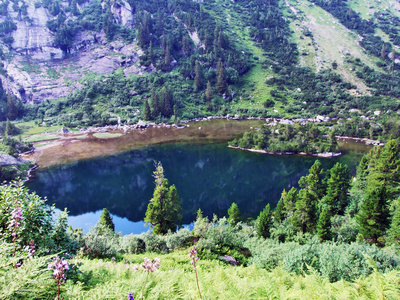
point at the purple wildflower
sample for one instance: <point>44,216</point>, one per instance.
<point>151,265</point>
<point>194,258</point>
<point>16,216</point>
<point>31,250</point>
<point>130,296</point>
<point>59,266</point>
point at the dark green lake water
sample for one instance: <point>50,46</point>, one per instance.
<point>207,176</point>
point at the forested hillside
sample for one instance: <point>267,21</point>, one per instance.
<point>92,62</point>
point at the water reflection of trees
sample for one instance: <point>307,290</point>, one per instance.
<point>209,177</point>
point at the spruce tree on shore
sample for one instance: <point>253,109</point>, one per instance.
<point>234,215</point>
<point>106,220</point>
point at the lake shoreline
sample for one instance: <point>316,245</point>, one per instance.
<point>86,143</point>
<point>324,154</point>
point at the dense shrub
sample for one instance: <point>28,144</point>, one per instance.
<point>37,223</point>
<point>331,260</point>
<point>101,242</point>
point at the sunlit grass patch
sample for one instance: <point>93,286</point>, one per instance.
<point>41,137</point>
<point>106,135</point>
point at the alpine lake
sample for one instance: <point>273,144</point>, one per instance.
<point>88,174</point>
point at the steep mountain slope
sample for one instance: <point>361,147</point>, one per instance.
<point>99,62</point>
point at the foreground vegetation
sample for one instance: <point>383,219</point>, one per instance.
<point>336,237</point>
<point>175,279</point>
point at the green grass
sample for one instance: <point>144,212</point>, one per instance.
<point>329,41</point>
<point>41,137</point>
<point>30,128</point>
<point>367,8</point>
<point>41,144</point>
<point>254,80</point>
<point>106,135</point>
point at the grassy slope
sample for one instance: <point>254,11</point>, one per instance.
<point>176,280</point>
<point>330,41</point>
<point>367,8</point>
<point>254,80</point>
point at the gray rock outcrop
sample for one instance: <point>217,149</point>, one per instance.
<point>37,70</point>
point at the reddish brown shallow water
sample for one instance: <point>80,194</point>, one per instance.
<point>70,148</point>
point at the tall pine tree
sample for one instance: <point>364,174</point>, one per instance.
<point>394,231</point>
<point>264,222</point>
<point>338,185</point>
<point>279,214</point>
<point>147,112</point>
<point>221,81</point>
<point>290,200</point>
<point>373,218</point>
<point>209,92</point>
<point>155,104</point>
<point>304,218</point>
<point>385,169</point>
<point>167,106</point>
<point>106,220</point>
<point>163,210</point>
<point>198,77</point>
<point>324,226</point>
<point>234,215</point>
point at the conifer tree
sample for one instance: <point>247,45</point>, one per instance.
<point>221,81</point>
<point>160,23</point>
<point>324,226</point>
<point>163,210</point>
<point>155,104</point>
<point>290,200</point>
<point>209,92</point>
<point>12,109</point>
<point>313,181</point>
<point>333,145</point>
<point>106,220</point>
<point>167,58</point>
<point>338,185</point>
<point>186,47</point>
<point>264,222</point>
<point>147,112</point>
<point>198,78</point>
<point>151,54</point>
<point>383,52</point>
<point>385,168</point>
<point>305,212</point>
<point>394,231</point>
<point>199,214</point>
<point>373,218</point>
<point>166,102</point>
<point>362,173</point>
<point>234,215</point>
<point>279,214</point>
<point>221,41</point>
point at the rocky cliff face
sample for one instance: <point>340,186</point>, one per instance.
<point>37,70</point>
